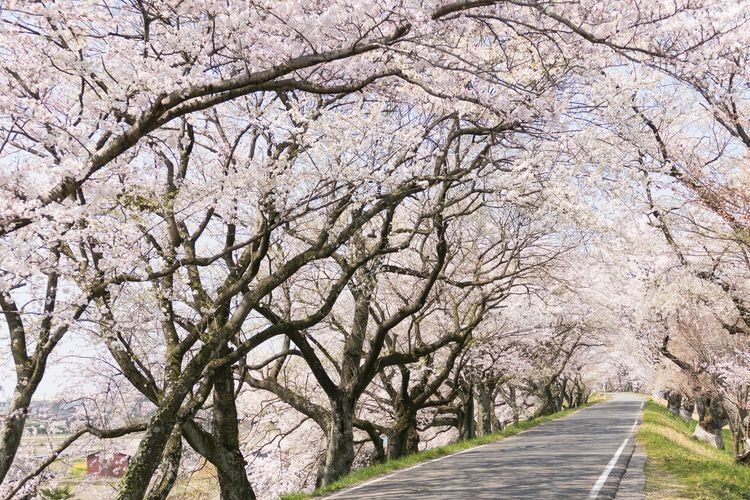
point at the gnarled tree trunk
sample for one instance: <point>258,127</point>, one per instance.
<point>710,421</point>
<point>548,403</point>
<point>169,468</point>
<point>686,410</point>
<point>466,423</point>
<point>674,401</point>
<point>404,439</point>
<point>340,436</point>
<point>511,400</point>
<point>486,408</point>
<point>148,457</point>
<point>229,460</point>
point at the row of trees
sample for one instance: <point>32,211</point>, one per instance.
<point>401,220</point>
<point>686,136</point>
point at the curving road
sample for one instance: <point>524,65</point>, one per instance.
<point>583,455</point>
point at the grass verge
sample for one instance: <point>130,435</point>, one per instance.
<point>373,471</point>
<point>678,466</point>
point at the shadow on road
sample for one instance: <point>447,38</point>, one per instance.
<point>560,459</point>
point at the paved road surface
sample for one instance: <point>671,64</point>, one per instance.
<point>566,458</point>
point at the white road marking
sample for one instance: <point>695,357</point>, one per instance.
<point>632,429</point>
<point>643,404</point>
<point>611,465</point>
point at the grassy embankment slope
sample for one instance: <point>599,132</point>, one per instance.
<point>679,466</point>
<point>367,473</point>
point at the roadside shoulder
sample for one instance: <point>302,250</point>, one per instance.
<point>633,484</point>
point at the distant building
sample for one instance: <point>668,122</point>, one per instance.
<point>98,464</point>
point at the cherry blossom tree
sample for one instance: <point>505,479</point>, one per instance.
<point>390,218</point>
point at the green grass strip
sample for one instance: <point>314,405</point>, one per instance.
<point>373,471</point>
<point>679,466</point>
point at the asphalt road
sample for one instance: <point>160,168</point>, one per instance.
<point>583,455</point>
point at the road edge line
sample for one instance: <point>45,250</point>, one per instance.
<point>607,470</point>
<point>602,481</point>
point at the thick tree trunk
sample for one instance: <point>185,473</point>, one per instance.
<point>405,438</point>
<point>169,468</point>
<point>148,457</point>
<point>740,444</point>
<point>12,427</point>
<point>486,417</point>
<point>233,478</point>
<point>741,437</point>
<point>230,469</point>
<point>581,393</point>
<point>340,429</point>
<point>547,403</point>
<point>231,466</point>
<point>514,405</point>
<point>563,395</point>
<point>686,410</point>
<point>674,401</point>
<point>340,446</point>
<point>710,422</point>
<point>466,423</point>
